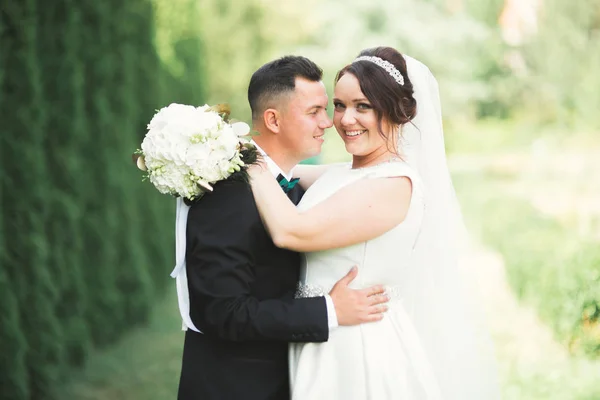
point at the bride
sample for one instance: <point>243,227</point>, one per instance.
<point>393,213</point>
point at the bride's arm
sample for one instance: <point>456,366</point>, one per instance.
<point>308,174</point>
<point>361,211</point>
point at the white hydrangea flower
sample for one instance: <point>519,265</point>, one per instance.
<point>187,148</point>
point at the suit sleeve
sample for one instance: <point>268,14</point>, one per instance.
<point>222,231</point>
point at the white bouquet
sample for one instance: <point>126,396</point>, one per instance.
<point>187,149</point>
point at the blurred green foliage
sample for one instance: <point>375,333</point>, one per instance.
<point>561,84</point>
<point>85,247</point>
<point>548,266</point>
<point>549,78</point>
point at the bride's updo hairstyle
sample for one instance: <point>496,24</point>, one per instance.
<point>392,101</point>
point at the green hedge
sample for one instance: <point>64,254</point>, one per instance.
<point>85,247</point>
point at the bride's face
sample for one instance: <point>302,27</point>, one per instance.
<point>355,119</point>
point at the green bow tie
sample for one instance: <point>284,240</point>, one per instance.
<point>285,184</point>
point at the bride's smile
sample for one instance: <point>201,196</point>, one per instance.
<point>356,133</point>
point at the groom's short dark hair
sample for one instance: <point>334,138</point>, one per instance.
<point>276,78</point>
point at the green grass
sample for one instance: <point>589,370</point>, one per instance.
<point>144,365</point>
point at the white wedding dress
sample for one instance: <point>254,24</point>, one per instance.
<point>381,360</point>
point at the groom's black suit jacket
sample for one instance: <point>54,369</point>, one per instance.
<point>242,298</point>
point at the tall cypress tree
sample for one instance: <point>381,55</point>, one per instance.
<point>14,382</point>
<point>25,239</point>
<point>64,160</point>
<point>100,241</point>
<point>13,379</point>
<point>133,279</point>
<point>77,292</point>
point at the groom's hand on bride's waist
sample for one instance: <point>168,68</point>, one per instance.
<point>354,306</point>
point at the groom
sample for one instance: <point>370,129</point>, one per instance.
<point>241,287</point>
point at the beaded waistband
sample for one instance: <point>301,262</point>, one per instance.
<point>310,290</point>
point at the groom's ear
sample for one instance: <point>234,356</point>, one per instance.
<point>272,120</point>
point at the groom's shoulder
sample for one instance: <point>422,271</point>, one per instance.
<point>229,205</point>
<point>236,194</point>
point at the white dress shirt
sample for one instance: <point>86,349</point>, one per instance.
<point>276,170</point>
